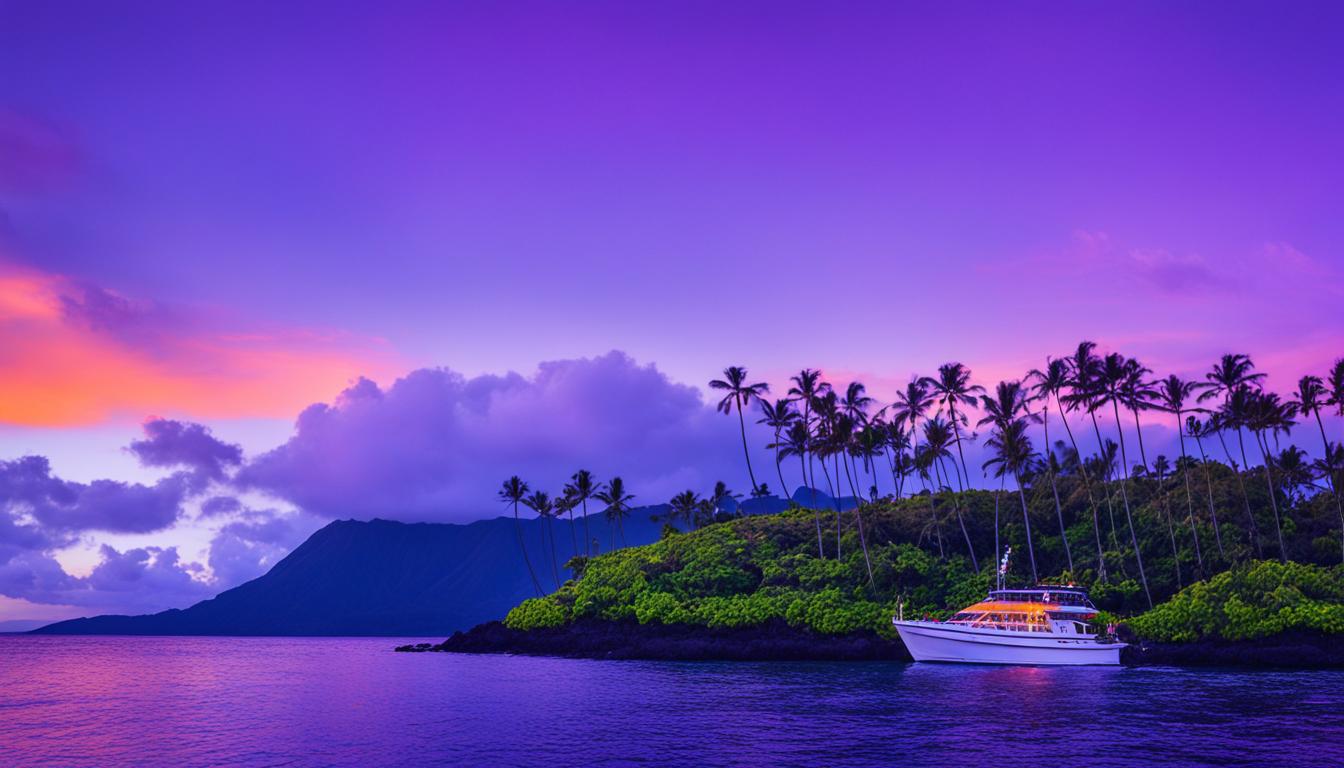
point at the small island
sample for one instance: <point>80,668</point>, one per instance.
<point>753,588</point>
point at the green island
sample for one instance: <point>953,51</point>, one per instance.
<point>755,586</point>
<point>1195,560</point>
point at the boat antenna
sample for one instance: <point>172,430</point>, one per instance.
<point>1003,567</point>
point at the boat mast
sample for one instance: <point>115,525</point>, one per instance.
<point>1002,576</point>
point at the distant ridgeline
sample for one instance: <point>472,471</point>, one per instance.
<point>391,579</point>
<point>773,572</point>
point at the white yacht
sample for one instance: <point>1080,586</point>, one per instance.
<point>1043,625</point>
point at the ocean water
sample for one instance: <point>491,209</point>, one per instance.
<point>120,701</point>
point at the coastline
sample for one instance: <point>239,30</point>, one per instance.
<point>777,641</point>
<point>596,639</point>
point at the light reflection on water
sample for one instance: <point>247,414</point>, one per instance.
<point>116,701</point>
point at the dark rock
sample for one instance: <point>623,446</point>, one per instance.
<point>1291,650</point>
<point>595,639</point>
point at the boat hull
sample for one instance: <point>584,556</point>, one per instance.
<point>934,641</point>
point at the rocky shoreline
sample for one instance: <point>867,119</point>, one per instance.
<point>1290,650</point>
<point>594,639</point>
<point>777,641</point>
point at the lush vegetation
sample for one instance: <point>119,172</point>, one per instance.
<point>1251,601</point>
<point>1134,528</point>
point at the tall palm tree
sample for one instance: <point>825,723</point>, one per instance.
<point>1012,453</point>
<point>1050,383</point>
<point>512,492</point>
<point>912,403</point>
<point>616,498</point>
<point>1160,468</point>
<point>1113,373</point>
<point>1231,372</point>
<point>1084,389</point>
<point>1136,393</point>
<point>1335,384</point>
<point>869,444</point>
<point>1265,413</point>
<point>937,437</point>
<point>565,503</point>
<point>540,502</point>
<point>779,416</point>
<point>1172,395</point>
<point>795,443</point>
<point>584,486</point>
<point>1311,397</point>
<point>740,395</point>
<point>1043,418</point>
<point>807,386</point>
<point>1003,408</point>
<point>952,387</point>
<point>1198,430</point>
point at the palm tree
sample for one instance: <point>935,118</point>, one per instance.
<point>1002,409</point>
<point>795,444</point>
<point>1172,394</point>
<point>1229,374</point>
<point>540,502</point>
<point>565,503</point>
<point>512,492</point>
<point>855,406</point>
<point>779,416</point>
<point>937,437</point>
<point>1113,373</point>
<point>618,507</point>
<point>740,395</point>
<point>923,463</point>
<point>1050,382</point>
<point>911,405</point>
<point>1310,398</point>
<point>1265,413</point>
<point>1160,467</point>
<point>721,496</point>
<point>1198,430</point>
<point>807,386</point>
<point>1136,393</point>
<point>1084,386</point>
<point>584,487</point>
<point>684,506</point>
<point>1335,381</point>
<point>1012,454</point>
<point>953,386</point>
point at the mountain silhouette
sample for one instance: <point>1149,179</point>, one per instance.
<point>388,578</point>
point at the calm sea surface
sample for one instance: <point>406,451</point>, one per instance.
<point>117,701</point>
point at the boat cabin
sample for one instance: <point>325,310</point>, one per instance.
<point>1052,610</point>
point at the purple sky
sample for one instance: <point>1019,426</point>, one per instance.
<point>220,213</point>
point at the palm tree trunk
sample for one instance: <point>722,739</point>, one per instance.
<point>1273,502</point>
<point>1138,429</point>
<point>956,432</point>
<point>1330,480</point>
<point>961,521</point>
<point>1124,494</point>
<point>1208,482</point>
<point>1189,498</point>
<point>742,425</point>
<point>555,566</point>
<point>587,537</point>
<point>783,486</point>
<point>937,530</point>
<point>573,533</point>
<point>522,546</point>
<point>837,506</point>
<point>1054,490</point>
<point>816,515</point>
<point>1106,482</point>
<point>1245,498</point>
<point>1087,486</point>
<point>863,543</point>
<point>1026,520</point>
<point>1171,530</point>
